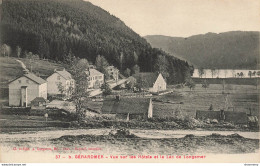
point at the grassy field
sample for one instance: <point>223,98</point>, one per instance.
<point>240,97</point>
<point>11,69</point>
<point>42,68</point>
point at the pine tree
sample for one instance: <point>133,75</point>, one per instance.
<point>18,51</point>
<point>79,94</point>
<point>68,58</point>
<point>127,72</point>
<point>161,66</point>
<point>43,48</point>
<point>102,64</point>
<point>135,69</point>
<point>106,89</point>
<point>190,83</point>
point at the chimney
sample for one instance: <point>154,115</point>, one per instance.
<point>55,70</point>
<point>117,97</point>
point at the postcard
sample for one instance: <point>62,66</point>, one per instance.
<point>129,81</point>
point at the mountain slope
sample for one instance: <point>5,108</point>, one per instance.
<point>64,23</point>
<point>237,49</point>
<point>53,28</point>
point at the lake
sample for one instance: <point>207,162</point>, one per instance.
<point>226,73</point>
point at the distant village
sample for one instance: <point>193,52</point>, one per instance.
<point>31,91</point>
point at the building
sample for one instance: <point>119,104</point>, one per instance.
<point>63,79</point>
<point>225,116</point>
<point>95,78</point>
<point>39,103</point>
<point>113,72</point>
<point>128,108</point>
<point>151,81</point>
<point>25,88</point>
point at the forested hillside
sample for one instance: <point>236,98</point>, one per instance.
<point>55,29</point>
<point>228,50</point>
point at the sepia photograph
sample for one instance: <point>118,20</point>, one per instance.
<point>129,81</point>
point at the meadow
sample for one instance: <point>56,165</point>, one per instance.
<point>11,69</point>
<point>240,98</point>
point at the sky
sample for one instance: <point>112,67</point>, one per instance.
<point>183,18</point>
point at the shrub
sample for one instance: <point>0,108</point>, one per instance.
<point>191,122</point>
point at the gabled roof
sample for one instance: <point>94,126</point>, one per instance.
<point>35,78</point>
<point>32,77</point>
<point>125,105</point>
<point>147,78</point>
<point>93,72</point>
<point>66,75</point>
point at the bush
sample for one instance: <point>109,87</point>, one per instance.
<point>214,121</point>
<point>191,123</point>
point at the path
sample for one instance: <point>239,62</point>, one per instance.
<point>22,64</point>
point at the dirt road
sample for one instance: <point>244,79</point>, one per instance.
<point>22,64</point>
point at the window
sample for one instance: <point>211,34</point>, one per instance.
<point>19,81</point>
<point>58,78</point>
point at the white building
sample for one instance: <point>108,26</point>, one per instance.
<point>24,89</point>
<point>95,78</point>
<point>63,78</point>
<point>159,84</point>
<point>151,81</point>
<point>113,72</point>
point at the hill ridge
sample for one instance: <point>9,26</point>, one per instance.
<point>238,49</point>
